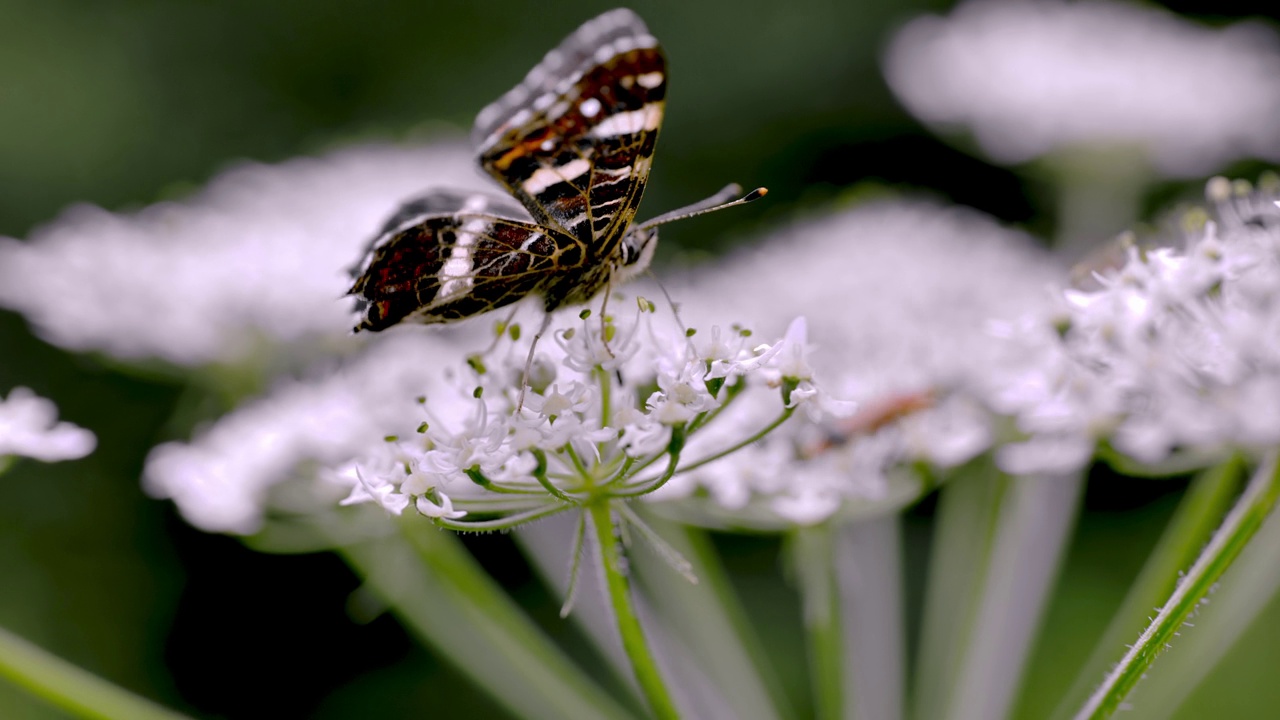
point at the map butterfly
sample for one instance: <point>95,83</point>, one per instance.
<point>572,144</point>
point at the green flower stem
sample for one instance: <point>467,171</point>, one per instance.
<point>618,584</point>
<point>787,413</point>
<point>997,551</point>
<point>705,418</point>
<point>1032,533</point>
<point>540,473</point>
<point>967,509</point>
<point>578,466</point>
<point>708,621</point>
<point>71,688</point>
<point>813,552</point>
<point>605,383</point>
<point>1241,524</point>
<point>1201,510</point>
<point>545,544</point>
<point>674,447</point>
<point>502,523</point>
<point>1243,594</point>
<point>868,566</point>
<point>1099,192</point>
<point>444,597</point>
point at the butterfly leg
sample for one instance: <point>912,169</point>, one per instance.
<point>528,361</point>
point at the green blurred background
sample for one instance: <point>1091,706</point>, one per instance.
<point>122,103</point>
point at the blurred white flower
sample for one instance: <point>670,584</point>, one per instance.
<point>260,255</point>
<point>1027,78</point>
<point>226,478</point>
<point>29,427</point>
<point>1176,354</point>
<point>898,295</point>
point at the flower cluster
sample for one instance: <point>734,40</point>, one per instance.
<point>1174,357</point>
<point>611,408</point>
<point>260,457</point>
<point>1028,78</point>
<point>29,427</point>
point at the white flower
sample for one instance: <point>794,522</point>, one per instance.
<point>791,360</point>
<point>899,295</point>
<point>413,423</point>
<point>682,394</point>
<point>370,487</point>
<point>229,475</point>
<point>1176,353</point>
<point>29,427</point>
<point>1027,78</point>
<point>443,510</point>
<point>258,256</point>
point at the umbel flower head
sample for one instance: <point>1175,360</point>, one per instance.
<point>1173,360</point>
<point>615,407</point>
<point>256,257</point>
<point>256,459</point>
<point>416,422</point>
<point>1028,78</point>
<point>29,427</point>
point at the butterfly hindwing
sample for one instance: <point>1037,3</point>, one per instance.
<point>448,256</point>
<point>574,141</point>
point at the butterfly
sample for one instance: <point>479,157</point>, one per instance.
<point>572,145</point>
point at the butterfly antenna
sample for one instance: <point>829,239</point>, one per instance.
<point>719,201</point>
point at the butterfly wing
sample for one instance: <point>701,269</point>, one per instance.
<point>574,141</point>
<point>448,256</point>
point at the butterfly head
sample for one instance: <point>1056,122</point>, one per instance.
<point>637,252</point>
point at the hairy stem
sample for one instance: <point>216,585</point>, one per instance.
<point>618,583</point>
<point>1236,531</point>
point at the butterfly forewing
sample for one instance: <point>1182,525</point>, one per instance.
<point>574,141</point>
<point>448,256</point>
<point>572,144</point>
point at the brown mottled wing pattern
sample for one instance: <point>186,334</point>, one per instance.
<point>574,141</point>
<point>448,256</point>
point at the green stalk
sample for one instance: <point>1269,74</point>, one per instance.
<point>1243,594</point>
<point>1199,513</point>
<point>1241,524</point>
<point>1035,525</point>
<point>605,383</point>
<point>71,688</point>
<point>787,413</point>
<point>964,529</point>
<point>445,598</point>
<point>1099,191</point>
<point>868,565</point>
<point>998,554</point>
<point>618,584</point>
<point>813,551</point>
<point>708,621</point>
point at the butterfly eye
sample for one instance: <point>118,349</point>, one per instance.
<point>638,245</point>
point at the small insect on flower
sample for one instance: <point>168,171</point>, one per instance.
<point>572,144</point>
